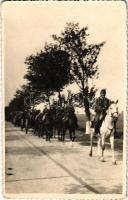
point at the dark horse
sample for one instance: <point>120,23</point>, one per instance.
<point>47,125</point>
<point>69,123</point>
<point>59,122</point>
<point>38,125</point>
<point>28,120</point>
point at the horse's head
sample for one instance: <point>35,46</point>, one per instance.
<point>113,110</point>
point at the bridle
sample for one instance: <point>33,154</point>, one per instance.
<point>112,114</point>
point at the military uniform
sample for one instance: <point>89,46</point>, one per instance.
<point>101,105</point>
<point>69,109</point>
<point>25,116</point>
<point>59,111</point>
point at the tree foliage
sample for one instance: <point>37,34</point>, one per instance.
<point>48,71</point>
<point>69,59</point>
<point>83,58</point>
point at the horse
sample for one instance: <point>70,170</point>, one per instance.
<point>69,123</point>
<point>47,125</point>
<point>59,122</point>
<point>17,121</point>
<point>53,111</point>
<point>25,123</point>
<point>107,130</point>
<point>38,124</point>
<point>27,120</point>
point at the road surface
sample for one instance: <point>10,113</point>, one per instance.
<point>33,165</point>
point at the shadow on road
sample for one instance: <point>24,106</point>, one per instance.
<point>80,189</point>
<point>84,140</point>
<point>13,137</point>
<point>12,130</point>
<point>22,151</point>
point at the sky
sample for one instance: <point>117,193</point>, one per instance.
<point>28,25</point>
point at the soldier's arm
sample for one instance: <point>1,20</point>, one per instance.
<point>107,103</point>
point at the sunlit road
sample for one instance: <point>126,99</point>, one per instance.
<point>36,166</point>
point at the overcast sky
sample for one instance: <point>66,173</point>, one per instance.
<point>28,25</point>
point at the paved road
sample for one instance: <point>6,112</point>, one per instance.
<point>36,166</point>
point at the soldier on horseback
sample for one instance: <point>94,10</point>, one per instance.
<point>53,109</point>
<point>69,110</point>
<point>100,106</point>
<point>25,119</point>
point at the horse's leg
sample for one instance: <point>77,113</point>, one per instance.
<point>54,131</point>
<point>58,133</point>
<point>91,143</point>
<point>42,131</point>
<point>46,136</point>
<point>26,126</point>
<point>102,146</point>
<point>112,147</point>
<point>35,129</point>
<point>63,134</point>
<point>74,135</point>
<point>21,124</point>
<point>50,133</point>
<point>46,133</point>
<point>99,146</point>
<point>70,134</point>
<point>39,132</point>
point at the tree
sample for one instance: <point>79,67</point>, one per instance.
<point>83,59</point>
<point>21,99</point>
<point>17,103</point>
<point>49,70</point>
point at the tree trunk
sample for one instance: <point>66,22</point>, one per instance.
<point>87,115</point>
<point>86,107</point>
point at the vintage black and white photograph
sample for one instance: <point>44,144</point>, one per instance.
<point>64,78</point>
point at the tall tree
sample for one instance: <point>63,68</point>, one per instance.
<point>17,103</point>
<point>83,58</point>
<point>49,70</point>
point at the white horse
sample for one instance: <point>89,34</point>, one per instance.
<point>106,131</point>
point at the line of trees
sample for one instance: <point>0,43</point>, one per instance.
<point>69,59</point>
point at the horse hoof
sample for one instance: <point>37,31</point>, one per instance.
<point>114,162</point>
<point>72,144</point>
<point>90,154</point>
<point>102,160</point>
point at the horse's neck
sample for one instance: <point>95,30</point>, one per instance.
<point>108,122</point>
